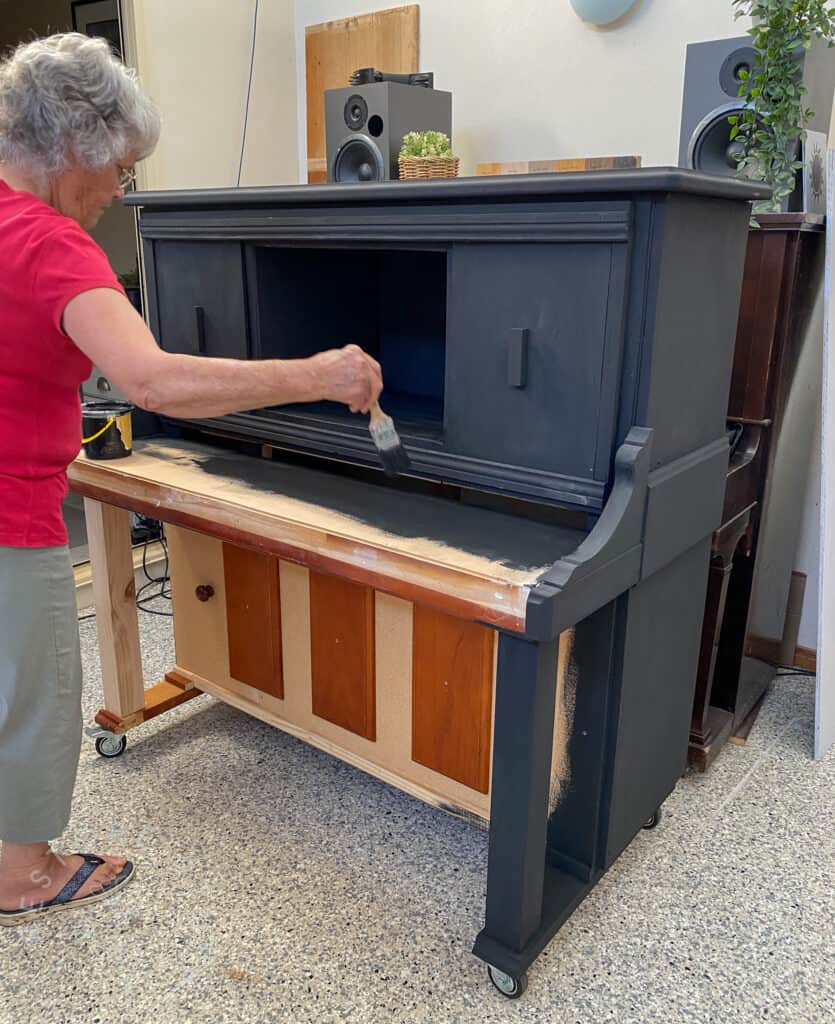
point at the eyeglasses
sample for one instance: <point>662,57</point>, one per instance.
<point>127,177</point>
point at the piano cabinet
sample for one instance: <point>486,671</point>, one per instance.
<point>511,631</point>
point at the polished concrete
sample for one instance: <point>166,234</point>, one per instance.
<point>275,883</point>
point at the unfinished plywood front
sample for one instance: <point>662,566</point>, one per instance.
<point>397,689</point>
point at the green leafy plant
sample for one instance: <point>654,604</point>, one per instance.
<point>774,116</point>
<point>426,144</point>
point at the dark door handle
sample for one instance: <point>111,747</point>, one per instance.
<point>200,324</point>
<point>517,358</point>
<point>204,592</point>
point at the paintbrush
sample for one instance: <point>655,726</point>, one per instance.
<point>389,446</point>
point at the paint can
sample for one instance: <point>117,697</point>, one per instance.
<point>106,431</point>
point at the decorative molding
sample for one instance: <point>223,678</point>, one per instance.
<point>402,225</point>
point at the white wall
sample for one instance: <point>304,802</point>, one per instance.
<point>194,57</point>
<point>530,80</point>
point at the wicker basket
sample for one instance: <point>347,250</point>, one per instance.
<point>428,167</point>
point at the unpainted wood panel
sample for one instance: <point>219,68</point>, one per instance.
<point>114,592</point>
<point>253,618</point>
<point>452,696</point>
<point>342,653</point>
<point>387,40</point>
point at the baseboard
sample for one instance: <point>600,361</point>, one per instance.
<point>154,562</point>
<point>767,649</point>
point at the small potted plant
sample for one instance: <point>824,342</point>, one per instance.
<point>427,155</point>
<point>773,120</point>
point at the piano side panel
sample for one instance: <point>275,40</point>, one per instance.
<point>687,337</point>
<point>657,644</point>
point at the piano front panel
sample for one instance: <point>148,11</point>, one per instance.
<point>404,693</point>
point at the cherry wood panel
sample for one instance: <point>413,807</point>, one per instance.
<point>253,618</point>
<point>342,653</point>
<point>452,696</point>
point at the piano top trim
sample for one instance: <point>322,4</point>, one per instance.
<point>504,187</point>
<point>464,560</point>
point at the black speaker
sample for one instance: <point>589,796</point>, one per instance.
<point>711,95</point>
<point>365,125</point>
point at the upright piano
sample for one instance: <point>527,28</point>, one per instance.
<point>511,631</point>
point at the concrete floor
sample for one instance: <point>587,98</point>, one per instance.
<point>276,884</point>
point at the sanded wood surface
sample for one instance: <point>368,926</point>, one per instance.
<point>342,653</point>
<point>114,592</point>
<point>387,40</point>
<point>452,697</point>
<point>465,561</point>
<point>253,617</point>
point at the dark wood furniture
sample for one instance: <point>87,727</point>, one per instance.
<point>781,271</point>
<point>557,351</point>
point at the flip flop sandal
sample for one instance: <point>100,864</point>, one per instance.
<point>64,900</point>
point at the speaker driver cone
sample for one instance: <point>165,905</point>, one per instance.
<point>358,160</point>
<point>355,113</point>
<point>710,149</point>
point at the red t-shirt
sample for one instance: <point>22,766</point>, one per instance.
<point>46,259</point>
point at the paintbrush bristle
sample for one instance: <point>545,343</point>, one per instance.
<point>389,446</point>
<point>395,460</point>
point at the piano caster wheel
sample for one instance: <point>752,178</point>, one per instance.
<point>507,984</point>
<point>653,821</point>
<point>111,745</point>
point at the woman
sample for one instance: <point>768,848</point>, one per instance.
<point>73,122</point>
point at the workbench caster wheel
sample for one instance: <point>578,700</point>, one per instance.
<point>653,821</point>
<point>112,745</point>
<point>507,984</point>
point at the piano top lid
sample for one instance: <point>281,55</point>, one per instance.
<point>504,188</point>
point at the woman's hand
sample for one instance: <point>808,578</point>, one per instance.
<point>348,375</point>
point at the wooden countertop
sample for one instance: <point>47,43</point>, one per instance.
<point>467,561</point>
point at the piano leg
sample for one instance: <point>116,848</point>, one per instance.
<point>542,861</point>
<point>633,663</point>
<point>522,746</point>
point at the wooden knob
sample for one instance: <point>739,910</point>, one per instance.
<point>204,592</point>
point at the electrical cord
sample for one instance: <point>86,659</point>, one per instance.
<point>164,592</point>
<point>248,92</point>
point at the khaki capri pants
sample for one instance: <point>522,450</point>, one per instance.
<point>40,693</point>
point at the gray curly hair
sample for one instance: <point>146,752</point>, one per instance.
<point>67,97</point>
